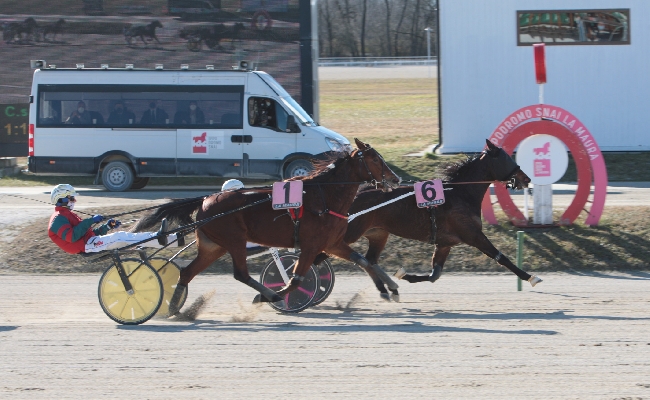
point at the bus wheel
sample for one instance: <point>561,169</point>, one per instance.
<point>139,183</point>
<point>299,167</point>
<point>117,176</point>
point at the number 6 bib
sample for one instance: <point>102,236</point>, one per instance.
<point>287,195</point>
<point>429,193</point>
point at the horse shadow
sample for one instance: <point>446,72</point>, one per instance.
<point>8,328</point>
<point>415,327</point>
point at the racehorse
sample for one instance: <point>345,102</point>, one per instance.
<point>13,31</point>
<point>141,31</point>
<point>327,195</point>
<point>456,221</point>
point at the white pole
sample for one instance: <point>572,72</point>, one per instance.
<point>428,49</point>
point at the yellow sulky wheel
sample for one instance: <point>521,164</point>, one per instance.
<point>169,272</point>
<point>131,308</point>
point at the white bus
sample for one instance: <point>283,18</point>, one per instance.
<point>125,125</point>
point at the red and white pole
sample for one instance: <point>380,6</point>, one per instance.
<point>540,68</point>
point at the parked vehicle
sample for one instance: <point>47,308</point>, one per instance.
<point>125,125</point>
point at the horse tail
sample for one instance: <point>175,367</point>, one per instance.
<point>177,211</point>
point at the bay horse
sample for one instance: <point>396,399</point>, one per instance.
<point>456,221</point>
<point>327,195</point>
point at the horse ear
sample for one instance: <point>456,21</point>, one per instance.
<point>491,147</point>
<point>360,144</point>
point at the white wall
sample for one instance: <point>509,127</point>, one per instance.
<point>485,76</point>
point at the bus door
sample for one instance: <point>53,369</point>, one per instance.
<point>268,140</point>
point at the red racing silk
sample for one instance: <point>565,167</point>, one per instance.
<point>68,231</point>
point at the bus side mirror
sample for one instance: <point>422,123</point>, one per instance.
<point>292,127</point>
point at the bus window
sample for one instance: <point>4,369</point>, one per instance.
<point>122,106</point>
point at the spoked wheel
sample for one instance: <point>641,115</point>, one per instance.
<point>298,299</point>
<point>194,43</point>
<point>326,279</point>
<point>169,272</point>
<point>130,308</point>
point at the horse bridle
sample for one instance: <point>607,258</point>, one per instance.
<point>373,181</point>
<point>510,178</point>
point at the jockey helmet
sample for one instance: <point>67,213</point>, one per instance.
<point>232,184</point>
<point>62,191</point>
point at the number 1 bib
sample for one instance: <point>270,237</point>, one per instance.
<point>287,195</point>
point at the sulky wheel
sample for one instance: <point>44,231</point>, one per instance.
<point>326,279</point>
<point>169,272</point>
<point>130,308</point>
<point>298,299</point>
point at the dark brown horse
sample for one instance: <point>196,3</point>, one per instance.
<point>327,195</point>
<point>456,221</point>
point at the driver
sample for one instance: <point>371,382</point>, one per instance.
<point>74,235</point>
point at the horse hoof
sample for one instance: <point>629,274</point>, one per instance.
<point>534,280</point>
<point>384,296</point>
<point>257,299</point>
<point>395,297</point>
<point>400,273</point>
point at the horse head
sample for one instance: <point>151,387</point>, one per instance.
<point>374,165</point>
<point>504,168</point>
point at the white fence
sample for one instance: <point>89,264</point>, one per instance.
<point>375,61</point>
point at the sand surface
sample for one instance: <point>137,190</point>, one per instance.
<point>466,336</point>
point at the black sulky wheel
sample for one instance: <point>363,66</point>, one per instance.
<point>326,279</point>
<point>130,308</point>
<point>169,272</point>
<point>298,299</point>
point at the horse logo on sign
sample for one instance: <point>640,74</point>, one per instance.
<point>200,143</point>
<point>287,195</point>
<point>429,193</point>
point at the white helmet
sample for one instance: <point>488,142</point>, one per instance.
<point>61,192</point>
<point>232,184</point>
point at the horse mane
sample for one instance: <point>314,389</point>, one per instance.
<point>322,169</point>
<point>457,170</point>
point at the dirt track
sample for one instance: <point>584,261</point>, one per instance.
<point>464,337</point>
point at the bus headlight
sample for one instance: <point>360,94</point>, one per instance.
<point>335,145</point>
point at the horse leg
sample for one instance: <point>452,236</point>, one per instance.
<point>437,262</point>
<point>208,252</point>
<point>240,273</point>
<point>299,271</point>
<point>143,41</point>
<point>377,239</point>
<point>483,243</point>
<point>345,252</point>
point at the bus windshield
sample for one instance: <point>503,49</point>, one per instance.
<point>298,111</point>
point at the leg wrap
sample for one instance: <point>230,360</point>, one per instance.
<point>176,299</point>
<point>435,273</point>
<point>267,293</point>
<point>359,259</point>
<point>384,277</point>
<point>296,280</point>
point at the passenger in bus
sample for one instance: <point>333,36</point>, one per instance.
<point>154,115</point>
<point>121,115</point>
<point>82,116</point>
<point>192,115</point>
<point>266,113</point>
